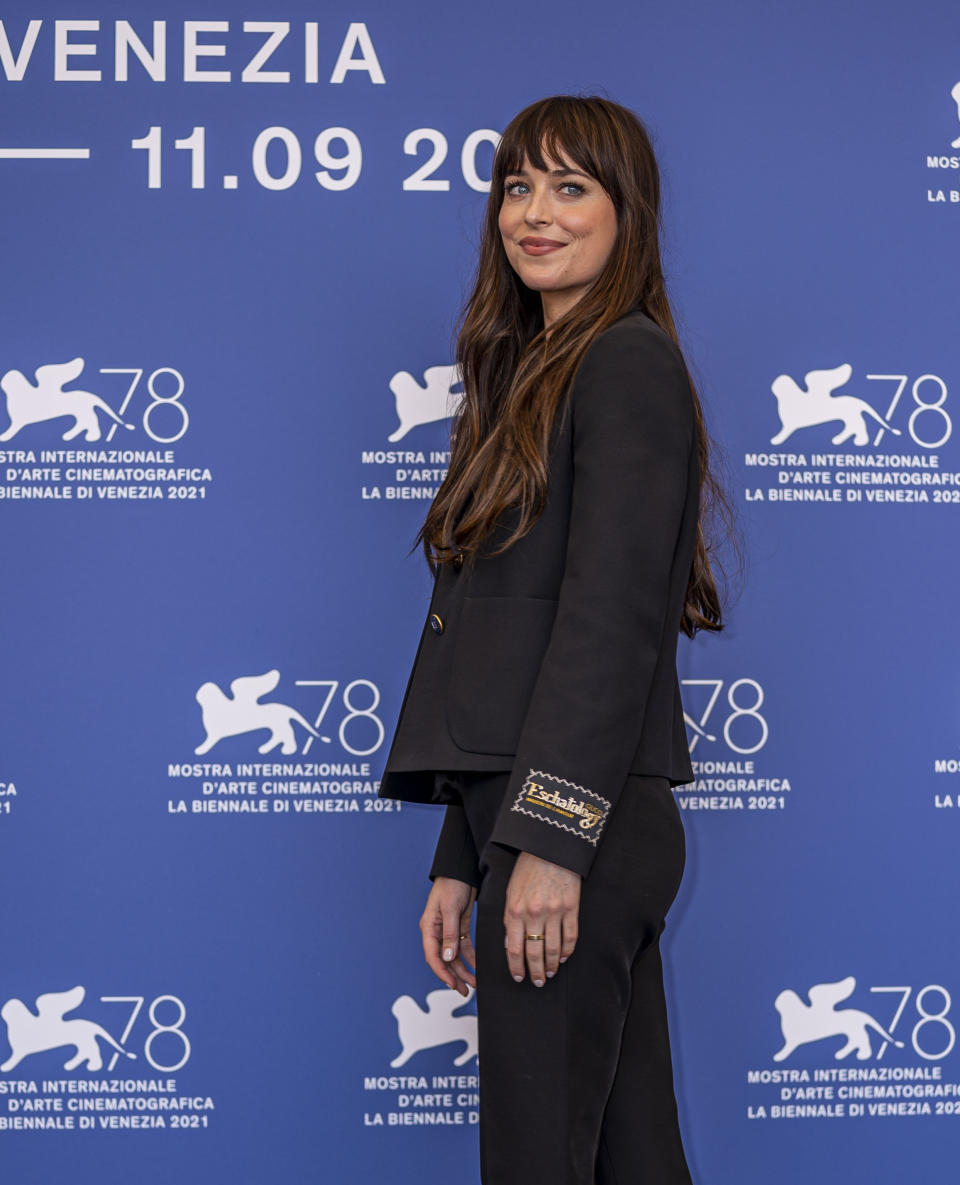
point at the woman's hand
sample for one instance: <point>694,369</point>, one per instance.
<point>542,898</point>
<point>445,929</point>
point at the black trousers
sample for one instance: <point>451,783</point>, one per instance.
<point>576,1080</point>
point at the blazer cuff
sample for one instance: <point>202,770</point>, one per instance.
<point>554,818</point>
<point>456,854</point>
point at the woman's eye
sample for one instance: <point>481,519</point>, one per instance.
<point>511,187</point>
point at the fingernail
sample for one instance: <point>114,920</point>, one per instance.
<point>551,974</point>
<point>518,978</point>
<point>538,983</point>
<point>563,958</point>
<point>448,954</point>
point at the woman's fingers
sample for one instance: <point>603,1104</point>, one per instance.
<point>534,950</point>
<point>464,976</point>
<point>431,930</point>
<point>540,918</point>
<point>515,944</point>
<point>551,946</point>
<point>450,912</point>
<point>570,931</point>
<point>468,958</point>
<point>467,953</point>
<point>440,927</point>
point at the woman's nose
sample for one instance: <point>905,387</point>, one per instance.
<point>538,210</point>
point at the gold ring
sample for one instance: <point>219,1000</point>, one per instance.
<point>534,938</point>
<point>464,937</point>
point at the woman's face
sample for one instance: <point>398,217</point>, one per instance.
<point>558,228</point>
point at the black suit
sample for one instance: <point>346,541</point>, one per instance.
<point>557,659</point>
<point>544,708</point>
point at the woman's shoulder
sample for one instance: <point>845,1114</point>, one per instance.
<point>633,377</point>
<point>633,349</point>
<point>633,333</point>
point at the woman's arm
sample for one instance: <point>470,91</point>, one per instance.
<point>456,854</point>
<point>633,444</point>
<point>445,922</point>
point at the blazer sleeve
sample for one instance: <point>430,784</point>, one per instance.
<point>456,853</point>
<point>633,433</point>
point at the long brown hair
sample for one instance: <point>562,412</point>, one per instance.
<point>514,385</point>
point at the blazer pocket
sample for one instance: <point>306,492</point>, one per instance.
<point>496,659</point>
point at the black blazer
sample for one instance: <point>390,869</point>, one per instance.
<point>556,660</point>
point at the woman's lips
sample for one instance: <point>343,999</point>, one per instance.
<point>539,247</point>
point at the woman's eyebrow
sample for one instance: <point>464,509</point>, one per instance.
<point>552,173</point>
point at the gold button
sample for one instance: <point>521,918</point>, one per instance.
<point>436,623</point>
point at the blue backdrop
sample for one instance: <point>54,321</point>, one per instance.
<point>245,240</point>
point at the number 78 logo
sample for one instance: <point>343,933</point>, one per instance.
<point>743,720</point>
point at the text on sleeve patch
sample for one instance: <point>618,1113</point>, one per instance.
<point>563,804</point>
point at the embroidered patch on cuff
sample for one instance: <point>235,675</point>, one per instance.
<point>564,804</point>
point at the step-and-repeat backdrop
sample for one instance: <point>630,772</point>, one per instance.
<point>234,245</point>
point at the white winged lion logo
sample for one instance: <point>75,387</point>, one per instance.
<point>955,95</point>
<point>420,1028</point>
<point>416,404</point>
<point>802,1023</point>
<point>801,407</point>
<point>241,711</point>
<point>29,1034</point>
<point>29,403</point>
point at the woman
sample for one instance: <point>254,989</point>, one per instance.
<point>543,706</point>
